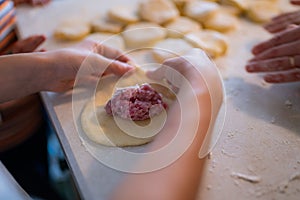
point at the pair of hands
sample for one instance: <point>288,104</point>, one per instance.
<point>281,53</point>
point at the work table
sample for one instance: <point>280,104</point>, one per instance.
<point>257,155</point>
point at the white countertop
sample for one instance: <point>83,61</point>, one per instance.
<point>260,139</point>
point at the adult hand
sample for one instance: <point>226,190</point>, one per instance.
<point>280,53</point>
<point>97,59</point>
<point>31,2</point>
<point>281,22</point>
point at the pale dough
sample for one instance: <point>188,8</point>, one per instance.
<point>72,30</point>
<point>124,14</point>
<point>181,26</point>
<point>222,22</point>
<point>262,11</point>
<point>104,25</point>
<point>158,11</point>
<point>212,42</point>
<point>200,10</point>
<point>170,48</point>
<point>108,39</point>
<point>102,128</point>
<point>143,35</point>
<point>239,4</point>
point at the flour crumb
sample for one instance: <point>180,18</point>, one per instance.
<point>245,177</point>
<point>288,104</point>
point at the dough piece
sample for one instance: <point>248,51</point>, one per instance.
<point>180,4</point>
<point>105,25</point>
<point>158,11</point>
<point>212,42</point>
<point>103,129</point>
<point>239,4</point>
<point>170,48</point>
<point>143,34</point>
<point>181,26</point>
<point>221,22</point>
<point>262,11</point>
<point>111,40</point>
<point>123,14</point>
<point>72,30</point>
<point>201,10</point>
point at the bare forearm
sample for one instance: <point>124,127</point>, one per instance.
<point>22,74</point>
<point>180,179</point>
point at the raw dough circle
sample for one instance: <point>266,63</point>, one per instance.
<point>109,131</point>
<point>212,42</point>
<point>143,35</point>
<point>105,25</point>
<point>201,10</point>
<point>123,14</point>
<point>170,48</point>
<point>262,11</point>
<point>70,30</point>
<point>182,26</point>
<point>222,22</point>
<point>158,11</point>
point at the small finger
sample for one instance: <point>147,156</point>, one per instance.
<point>277,64</point>
<point>283,77</point>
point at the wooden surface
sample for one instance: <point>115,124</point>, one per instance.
<point>260,139</point>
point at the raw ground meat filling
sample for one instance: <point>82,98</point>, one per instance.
<point>136,103</point>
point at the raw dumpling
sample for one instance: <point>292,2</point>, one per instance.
<point>262,11</point>
<point>221,22</point>
<point>105,25</point>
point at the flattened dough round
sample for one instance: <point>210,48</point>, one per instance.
<point>105,25</point>
<point>170,48</point>
<point>143,34</point>
<point>123,14</point>
<point>158,11</point>
<point>212,42</point>
<point>222,22</point>
<point>200,10</point>
<point>111,40</point>
<point>262,11</point>
<point>182,26</point>
<point>102,128</point>
<point>72,30</point>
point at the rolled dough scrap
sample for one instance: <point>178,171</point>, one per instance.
<point>200,10</point>
<point>181,26</point>
<point>111,40</point>
<point>158,11</point>
<point>262,11</point>
<point>212,42</point>
<point>124,14</point>
<point>170,48</point>
<point>222,22</point>
<point>105,25</point>
<point>143,35</point>
<point>72,30</point>
<point>102,128</point>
